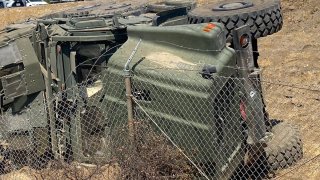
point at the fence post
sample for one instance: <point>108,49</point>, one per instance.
<point>127,76</point>
<point>129,105</point>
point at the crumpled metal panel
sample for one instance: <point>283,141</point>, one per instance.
<point>9,55</point>
<point>133,20</point>
<point>33,74</point>
<point>31,116</point>
<point>14,85</point>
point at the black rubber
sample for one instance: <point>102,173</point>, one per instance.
<point>285,148</point>
<point>264,17</point>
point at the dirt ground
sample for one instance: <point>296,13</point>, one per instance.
<point>292,57</point>
<point>290,60</point>
<point>77,171</point>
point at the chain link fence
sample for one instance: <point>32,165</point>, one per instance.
<point>161,124</point>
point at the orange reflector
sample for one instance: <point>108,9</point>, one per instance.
<point>211,26</point>
<point>206,29</point>
<point>244,40</point>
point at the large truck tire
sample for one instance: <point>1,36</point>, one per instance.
<point>264,17</point>
<point>285,148</point>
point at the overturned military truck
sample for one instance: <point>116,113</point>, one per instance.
<point>70,81</point>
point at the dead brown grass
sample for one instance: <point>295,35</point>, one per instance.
<point>72,172</point>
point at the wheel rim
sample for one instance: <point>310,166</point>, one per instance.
<point>232,6</point>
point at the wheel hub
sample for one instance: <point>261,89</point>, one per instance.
<point>232,6</point>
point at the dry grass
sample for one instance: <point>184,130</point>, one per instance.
<point>72,172</point>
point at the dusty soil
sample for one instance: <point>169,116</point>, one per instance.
<point>290,61</point>
<point>72,172</point>
<point>291,57</point>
